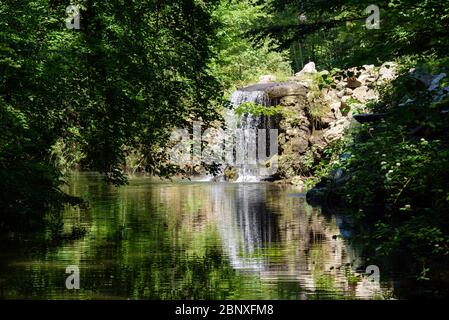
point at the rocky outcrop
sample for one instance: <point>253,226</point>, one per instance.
<point>277,90</point>
<point>308,69</point>
<point>317,108</point>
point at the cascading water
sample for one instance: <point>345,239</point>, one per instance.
<point>245,130</point>
<point>257,97</point>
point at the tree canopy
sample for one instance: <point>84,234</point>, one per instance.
<point>133,71</point>
<point>334,33</point>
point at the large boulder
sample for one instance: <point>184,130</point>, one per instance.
<point>364,94</point>
<point>353,83</point>
<point>336,130</point>
<point>277,90</point>
<point>317,139</point>
<point>308,69</point>
<point>284,89</point>
<point>422,76</point>
<point>299,143</point>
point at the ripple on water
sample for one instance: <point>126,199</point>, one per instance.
<point>191,241</point>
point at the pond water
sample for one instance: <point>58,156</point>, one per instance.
<point>191,240</point>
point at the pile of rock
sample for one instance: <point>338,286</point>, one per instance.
<point>317,109</point>
<point>302,139</point>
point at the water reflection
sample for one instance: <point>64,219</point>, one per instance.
<point>191,241</point>
<point>245,224</point>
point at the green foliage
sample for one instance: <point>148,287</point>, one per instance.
<point>353,278</point>
<point>398,168</point>
<point>30,185</point>
<point>257,110</point>
<point>318,107</point>
<point>334,33</point>
<point>65,152</point>
<point>239,58</point>
<point>90,97</point>
<point>330,157</point>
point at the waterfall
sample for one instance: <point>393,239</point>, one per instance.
<point>245,130</point>
<point>258,97</point>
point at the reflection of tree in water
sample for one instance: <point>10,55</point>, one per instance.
<point>319,259</point>
<point>192,241</point>
<point>286,240</point>
<point>261,231</point>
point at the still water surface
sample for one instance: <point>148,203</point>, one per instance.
<point>191,240</point>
